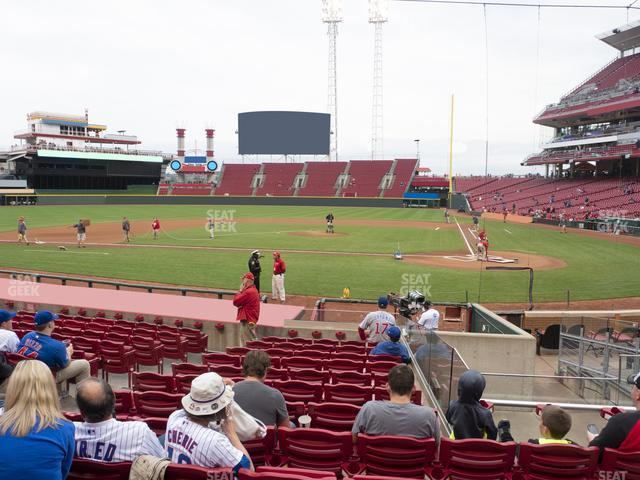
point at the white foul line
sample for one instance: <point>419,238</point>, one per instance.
<point>464,237</point>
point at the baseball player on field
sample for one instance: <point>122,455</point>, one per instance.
<point>102,438</point>
<point>277,281</point>
<point>126,228</point>
<point>211,226</point>
<point>190,437</point>
<point>374,326</point>
<point>81,233</point>
<point>330,218</point>
<point>22,231</point>
<point>155,226</point>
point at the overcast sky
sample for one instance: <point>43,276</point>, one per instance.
<point>148,66</point>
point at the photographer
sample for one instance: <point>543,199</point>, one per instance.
<point>255,268</point>
<point>430,318</point>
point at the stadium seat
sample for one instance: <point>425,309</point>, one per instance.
<point>299,363</point>
<point>124,403</point>
<point>83,469</point>
<point>226,371</point>
<point>276,473</point>
<point>260,449</point>
<point>157,424</point>
<point>473,459</point>
<point>197,342</point>
<point>309,375</point>
<point>405,457</point>
<point>150,381</point>
<point>337,417</point>
<point>188,369</point>
<point>343,365</point>
<point>353,378</point>
<point>183,382</point>
<point>616,461</point>
<point>347,393</point>
<point>117,358</point>
<point>379,366</point>
<point>298,391</point>
<point>173,346</point>
<point>313,448</point>
<point>318,355</point>
<point>356,357</point>
<point>192,472</point>
<point>218,358</point>
<point>87,344</point>
<point>239,351</point>
<point>156,404</point>
<point>258,345</point>
<point>553,462</point>
<point>147,351</point>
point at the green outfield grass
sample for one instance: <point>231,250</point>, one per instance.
<point>597,268</point>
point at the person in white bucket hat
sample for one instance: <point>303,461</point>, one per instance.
<point>191,440</point>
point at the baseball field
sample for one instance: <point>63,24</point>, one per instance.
<point>436,255</point>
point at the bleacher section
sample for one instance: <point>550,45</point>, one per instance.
<point>365,177</point>
<point>191,189</point>
<point>279,178</point>
<point>404,171</point>
<point>321,178</point>
<point>568,196</point>
<point>236,179</point>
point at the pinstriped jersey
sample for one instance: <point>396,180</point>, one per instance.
<point>115,441</point>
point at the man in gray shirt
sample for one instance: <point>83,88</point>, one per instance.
<point>257,399</point>
<point>398,416</point>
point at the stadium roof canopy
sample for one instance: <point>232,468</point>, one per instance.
<point>622,38</point>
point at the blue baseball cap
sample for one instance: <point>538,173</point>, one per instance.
<point>44,316</point>
<point>394,333</point>
<point>383,301</point>
<point>5,316</point>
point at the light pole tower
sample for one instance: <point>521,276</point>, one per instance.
<point>378,15</point>
<point>332,15</point>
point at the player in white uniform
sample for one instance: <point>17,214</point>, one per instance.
<point>374,327</point>
<point>190,437</point>
<point>101,437</point>
<point>429,318</point>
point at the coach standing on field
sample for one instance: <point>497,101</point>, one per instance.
<point>277,281</point>
<point>255,268</point>
<point>247,301</point>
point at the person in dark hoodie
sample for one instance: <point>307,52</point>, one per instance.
<point>466,415</point>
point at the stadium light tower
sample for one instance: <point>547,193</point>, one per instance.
<point>378,15</point>
<point>332,16</point>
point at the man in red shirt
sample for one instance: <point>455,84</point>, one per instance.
<point>247,300</point>
<point>155,226</point>
<point>277,281</point>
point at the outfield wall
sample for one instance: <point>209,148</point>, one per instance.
<point>213,200</point>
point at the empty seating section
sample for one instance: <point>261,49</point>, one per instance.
<point>621,68</point>
<point>191,189</point>
<point>236,179</point>
<point>365,178</point>
<point>163,189</point>
<point>405,168</point>
<point>566,196</point>
<point>321,179</point>
<point>279,178</point>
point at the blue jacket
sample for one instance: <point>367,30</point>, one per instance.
<point>392,348</point>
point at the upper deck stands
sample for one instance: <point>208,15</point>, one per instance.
<point>237,179</point>
<point>405,168</point>
<point>279,179</point>
<point>321,179</point>
<point>365,177</point>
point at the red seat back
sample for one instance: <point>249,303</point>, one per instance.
<point>191,472</point>
<point>473,459</point>
<point>150,381</point>
<point>219,358</point>
<point>553,461</point>
<point>188,369</point>
<point>309,375</point>
<point>396,456</point>
<point>615,461</point>
<point>337,417</point>
<point>347,393</point>
<point>298,391</point>
<point>82,469</point>
<point>300,363</point>
<point>156,404</point>
<point>315,449</point>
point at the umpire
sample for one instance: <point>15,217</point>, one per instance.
<point>255,268</point>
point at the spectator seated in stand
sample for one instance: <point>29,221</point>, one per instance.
<point>257,399</point>
<point>393,346</point>
<point>36,441</point>
<point>190,436</point>
<point>9,341</point>
<point>555,423</point>
<point>101,437</point>
<point>55,354</point>
<point>398,416</point>
<point>466,415</point>
<point>622,431</point>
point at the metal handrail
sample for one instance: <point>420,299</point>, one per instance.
<point>555,377</point>
<point>529,404</point>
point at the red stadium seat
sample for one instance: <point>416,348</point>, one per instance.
<point>278,373</point>
<point>356,357</point>
<point>83,469</point>
<point>73,416</point>
<point>302,342</point>
<point>95,334</point>
<point>375,477</point>
<point>347,393</point>
<point>258,345</point>
<point>310,375</point>
<point>157,424</point>
<point>353,378</point>
<point>197,342</point>
<point>173,346</point>
<point>297,391</point>
<point>337,417</point>
<point>318,355</point>
<point>121,329</point>
<point>218,358</point>
<point>473,459</point>
<point>313,448</point>
<point>123,338</point>
<point>275,352</point>
<point>147,351</point>
<point>262,448</point>
<point>238,351</point>
<point>277,473</point>
<point>385,358</point>
<point>405,457</point>
<point>188,369</point>
<point>94,360</point>
<point>14,358</point>
<point>300,363</point>
<point>615,461</point>
<point>553,462</point>
<point>117,358</point>
<point>226,371</point>
<point>340,365</point>
<point>124,403</point>
<point>379,366</point>
<point>150,381</point>
<point>156,404</point>
<point>192,472</point>
<point>183,382</point>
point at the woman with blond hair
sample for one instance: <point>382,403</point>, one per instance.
<point>36,442</point>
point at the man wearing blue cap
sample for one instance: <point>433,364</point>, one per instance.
<point>374,327</point>
<point>40,346</point>
<point>8,339</point>
<point>392,346</point>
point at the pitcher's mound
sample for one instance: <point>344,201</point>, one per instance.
<point>317,233</point>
